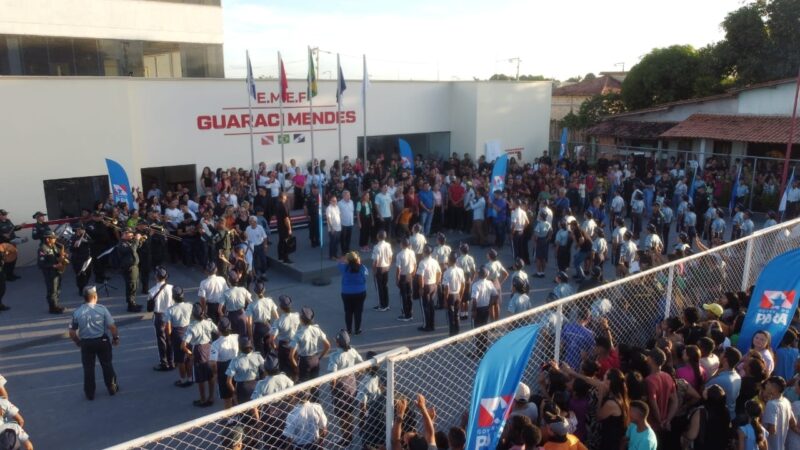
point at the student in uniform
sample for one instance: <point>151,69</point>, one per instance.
<point>497,274</point>
<point>259,315</point>
<point>406,266</point>
<point>690,222</point>
<point>747,224</point>
<point>10,413</point>
<point>285,328</point>
<point>599,248</point>
<point>210,292</point>
<point>617,240</point>
<point>563,240</point>
<point>223,350</point>
<point>429,275</point>
<point>309,345</point>
<point>519,273</point>
<point>484,296</point>
<point>177,319</point>
<point>562,288</point>
<point>306,424</point>
<point>243,371</point>
<point>519,300</point>
<point>161,294</point>
<point>234,302</point>
<point>441,253</point>
<point>13,436</point>
<point>381,263</point>
<point>272,416</point>
<point>519,220</point>
<point>344,388</point>
<point>197,345</point>
<point>542,232</point>
<point>88,331</point>
<point>629,253</point>
<point>453,283</point>
<point>467,264</point>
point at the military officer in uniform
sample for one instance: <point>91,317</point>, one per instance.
<point>100,236</point>
<point>80,251</point>
<point>52,268</point>
<point>7,234</point>
<point>90,328</point>
<point>39,227</point>
<point>145,256</point>
<point>311,205</point>
<point>129,265</point>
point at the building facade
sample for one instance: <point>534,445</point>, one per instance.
<point>139,38</point>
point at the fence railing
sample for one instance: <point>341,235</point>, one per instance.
<point>358,403</point>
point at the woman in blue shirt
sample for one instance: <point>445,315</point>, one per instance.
<point>354,290</point>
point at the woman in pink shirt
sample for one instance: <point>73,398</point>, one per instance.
<point>692,371</point>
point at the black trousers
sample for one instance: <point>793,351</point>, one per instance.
<point>308,367</point>
<point>665,238</point>
<point>365,233</point>
<point>52,282</point>
<point>453,306</point>
<point>405,285</point>
<point>313,229</point>
<point>131,277</point>
<point>8,268</point>
<point>382,281</point>
<point>481,318</point>
<point>345,238</point>
<point>353,310</point>
<point>2,286</point>
<point>283,250</point>
<point>520,247</point>
<point>144,277</point>
<point>428,307</point>
<point>165,356</point>
<point>81,278</point>
<point>99,348</point>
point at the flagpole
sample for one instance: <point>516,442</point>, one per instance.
<point>320,279</point>
<point>364,103</point>
<point>250,123</point>
<point>339,108</point>
<point>280,94</point>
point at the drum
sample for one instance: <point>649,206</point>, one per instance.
<point>64,233</point>
<point>9,252</point>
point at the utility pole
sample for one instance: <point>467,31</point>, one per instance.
<point>621,64</point>
<point>517,60</point>
<point>316,51</point>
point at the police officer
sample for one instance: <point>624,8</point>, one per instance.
<point>145,252</point>
<point>7,235</point>
<point>311,205</point>
<point>259,316</point>
<point>244,370</point>
<point>177,319</point>
<point>223,350</point>
<point>161,296</point>
<point>234,301</point>
<point>309,345</point>
<point>210,292</point>
<point>381,262</point>
<point>80,251</point>
<point>285,328</point>
<point>344,388</point>
<point>429,275</point>
<point>52,268</point>
<point>406,264</point>
<point>91,324</point>
<point>100,236</point>
<point>39,227</point>
<point>453,282</point>
<point>197,344</point>
<point>129,265</point>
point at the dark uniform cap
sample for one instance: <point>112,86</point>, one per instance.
<point>197,310</point>
<point>307,314</point>
<point>285,301</point>
<point>483,272</point>
<point>161,272</point>
<point>427,250</point>
<point>48,234</point>
<point>343,338</point>
<point>177,293</point>
<point>38,213</point>
<point>224,325</point>
<point>441,237</point>
<point>519,263</point>
<point>211,267</point>
<point>244,342</point>
<point>3,212</point>
<point>271,363</point>
<point>405,242</point>
<point>260,287</point>
<point>492,253</point>
<point>464,247</point>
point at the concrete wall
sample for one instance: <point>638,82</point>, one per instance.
<point>680,113</point>
<point>563,104</point>
<point>113,19</point>
<point>463,114</point>
<point>776,100</point>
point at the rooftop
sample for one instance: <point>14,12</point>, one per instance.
<point>744,128</point>
<point>588,88</point>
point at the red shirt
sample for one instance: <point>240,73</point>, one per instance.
<point>609,362</point>
<point>457,194</point>
<point>660,387</point>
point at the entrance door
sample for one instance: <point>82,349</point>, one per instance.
<point>168,178</point>
<point>426,144</point>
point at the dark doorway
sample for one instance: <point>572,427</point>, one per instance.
<point>430,145</point>
<point>66,197</point>
<point>169,177</point>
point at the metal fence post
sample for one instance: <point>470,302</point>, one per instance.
<point>748,259</point>
<point>559,323</point>
<point>670,286</point>
<point>389,400</point>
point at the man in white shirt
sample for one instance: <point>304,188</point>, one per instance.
<point>381,260</point>
<point>334,227</point>
<point>346,213</point>
<point>519,220</point>
<point>778,417</point>
<point>258,244</point>
<point>406,263</point>
<point>210,292</point>
<point>793,200</point>
<point>453,282</point>
<point>484,296</point>
<point>429,274</point>
<point>161,296</point>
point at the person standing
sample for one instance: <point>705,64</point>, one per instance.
<point>285,328</point>
<point>284,228</point>
<point>366,221</point>
<point>662,395</point>
<point>383,205</point>
<point>210,292</point>
<point>39,228</point>
<point>177,319</point>
<point>519,221</point>
<point>354,290</point>
<point>89,330</point>
<point>243,371</point>
<point>381,261</point>
<point>417,241</point>
<point>234,302</point>
<point>308,346</point>
<point>429,275</point>
<point>346,213</point>
<point>161,297</point>
<point>426,208</point>
<point>8,235</point>
<point>260,315</point>
<point>478,207</point>
<point>344,388</point>
<point>145,252</point>
<point>441,254</point>
<point>311,205</point>
<point>334,224</point>
<point>129,265</point>
<point>258,243</point>
<point>222,351</point>
<point>778,417</point>
<point>52,267</point>
<point>467,264</point>
<point>453,282</point>
<point>306,424</point>
<point>197,345</point>
<point>406,266</point>
<point>484,296</point>
<point>2,291</point>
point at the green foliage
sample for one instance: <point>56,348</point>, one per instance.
<point>593,110</point>
<point>504,77</point>
<point>589,76</point>
<point>663,75</point>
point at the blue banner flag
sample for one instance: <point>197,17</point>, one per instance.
<point>251,82</point>
<point>774,300</point>
<point>498,376</point>
<point>563,148</point>
<point>406,156</point>
<point>499,173</point>
<point>734,191</point>
<point>120,186</point>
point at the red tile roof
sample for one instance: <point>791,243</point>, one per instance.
<point>744,128</point>
<point>587,88</point>
<point>630,129</point>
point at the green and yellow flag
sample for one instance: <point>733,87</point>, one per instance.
<point>312,76</point>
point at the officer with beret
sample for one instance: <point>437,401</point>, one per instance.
<point>177,319</point>
<point>283,332</point>
<point>129,265</point>
<point>309,345</point>
<point>244,370</point>
<point>197,344</point>
<point>50,263</point>
<point>259,315</point>
<point>90,328</point>
<point>39,227</point>
<point>223,350</point>
<point>234,301</point>
<point>80,252</point>
<point>160,296</point>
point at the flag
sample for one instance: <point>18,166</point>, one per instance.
<point>312,76</point>
<point>364,83</point>
<point>406,156</point>
<point>340,85</point>
<point>784,197</point>
<point>774,300</point>
<point>251,83</point>
<point>120,187</point>
<point>734,191</point>
<point>298,137</point>
<point>268,139</point>
<point>691,185</point>
<point>563,150</point>
<point>319,210</point>
<point>499,173</point>
<point>496,381</point>
<point>283,83</point>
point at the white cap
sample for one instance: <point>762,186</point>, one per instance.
<point>523,392</point>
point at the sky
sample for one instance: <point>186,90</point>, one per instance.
<point>461,39</point>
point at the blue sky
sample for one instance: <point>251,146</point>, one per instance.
<point>458,40</point>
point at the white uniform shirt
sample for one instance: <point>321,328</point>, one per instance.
<point>417,242</point>
<point>212,288</point>
<point>334,219</point>
<point>454,279</point>
<point>406,261</point>
<point>262,310</point>
<point>628,252</point>
<point>236,298</point>
<point>343,359</point>
<point>441,253</point>
<point>482,292</point>
<point>199,332</point>
<point>467,263</point>
<point>225,348</point>
<point>383,203</point>
<point>286,326</point>
<point>793,195</point>
<point>271,385</point>
<point>304,424</point>
<point>382,254</point>
<point>346,210</point>
<point>179,315</point>
<point>308,340</point>
<point>617,235</point>
<point>274,187</point>
<point>519,219</point>
<point>430,271</point>
<point>519,303</point>
<point>690,219</point>
<point>617,204</point>
<point>164,298</point>
<point>600,246</point>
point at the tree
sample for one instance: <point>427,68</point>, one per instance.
<point>589,76</point>
<point>504,77</point>
<point>593,110</point>
<point>574,79</point>
<point>663,75</point>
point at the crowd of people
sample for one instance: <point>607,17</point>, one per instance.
<point>236,343</point>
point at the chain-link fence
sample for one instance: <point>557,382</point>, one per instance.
<point>357,403</point>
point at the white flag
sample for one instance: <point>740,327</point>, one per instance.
<point>782,207</point>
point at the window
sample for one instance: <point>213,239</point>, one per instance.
<point>86,59</point>
<point>5,66</point>
<point>61,58</point>
<point>66,197</point>
<point>34,55</point>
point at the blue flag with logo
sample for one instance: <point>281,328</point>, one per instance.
<point>562,152</point>
<point>120,186</point>
<point>774,300</point>
<point>734,191</point>
<point>406,157</point>
<point>499,173</point>
<point>499,373</point>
